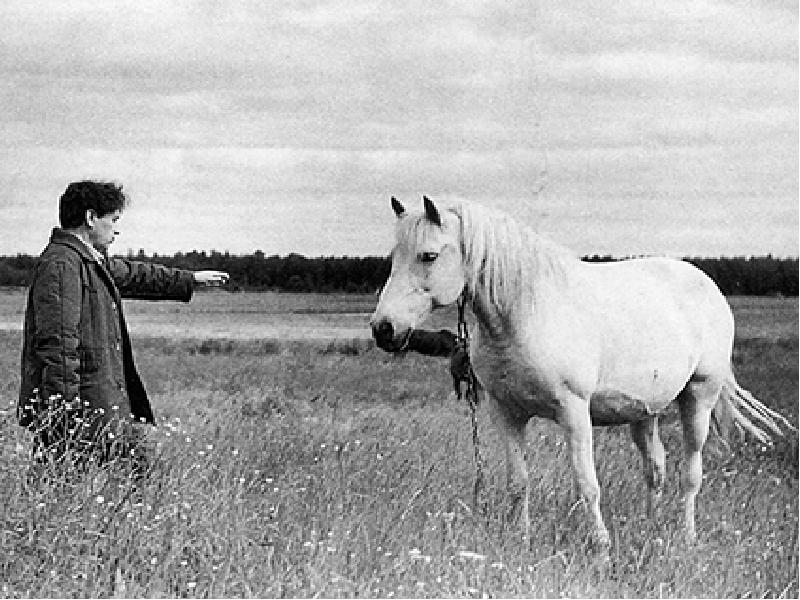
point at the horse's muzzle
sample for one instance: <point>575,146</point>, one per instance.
<point>387,338</point>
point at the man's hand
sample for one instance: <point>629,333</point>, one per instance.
<point>211,278</point>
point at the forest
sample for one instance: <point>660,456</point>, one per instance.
<point>755,275</point>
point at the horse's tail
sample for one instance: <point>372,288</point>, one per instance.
<point>736,407</point>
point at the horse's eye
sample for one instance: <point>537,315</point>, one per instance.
<point>428,257</point>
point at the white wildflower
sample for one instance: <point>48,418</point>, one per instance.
<point>470,555</point>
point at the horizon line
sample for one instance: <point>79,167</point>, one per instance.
<point>214,251</point>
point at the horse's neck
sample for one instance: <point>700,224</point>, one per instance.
<point>544,278</point>
<point>492,322</point>
<point>496,322</point>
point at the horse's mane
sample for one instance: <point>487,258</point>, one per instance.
<point>505,260</point>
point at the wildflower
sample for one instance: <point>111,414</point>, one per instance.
<point>470,555</point>
<point>154,560</point>
<point>416,554</point>
<point>191,585</point>
<point>235,452</point>
<point>100,499</point>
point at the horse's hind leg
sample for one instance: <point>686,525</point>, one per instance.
<point>695,401</point>
<point>645,436</point>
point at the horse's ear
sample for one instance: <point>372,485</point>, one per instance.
<point>432,212</point>
<point>398,208</point>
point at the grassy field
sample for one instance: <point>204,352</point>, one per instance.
<point>328,468</point>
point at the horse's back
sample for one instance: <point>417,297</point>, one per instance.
<point>659,320</point>
<point>659,284</point>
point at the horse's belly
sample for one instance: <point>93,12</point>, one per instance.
<point>609,407</point>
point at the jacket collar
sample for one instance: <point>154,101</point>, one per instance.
<point>64,238</point>
<point>59,236</point>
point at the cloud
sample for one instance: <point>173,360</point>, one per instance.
<point>264,106</point>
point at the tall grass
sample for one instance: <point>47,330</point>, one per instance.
<point>334,470</point>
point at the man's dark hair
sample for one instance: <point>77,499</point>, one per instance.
<point>100,196</point>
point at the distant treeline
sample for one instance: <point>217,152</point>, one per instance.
<point>762,275</point>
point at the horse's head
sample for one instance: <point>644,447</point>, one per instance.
<point>427,272</point>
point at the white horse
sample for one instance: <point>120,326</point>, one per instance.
<point>578,343</point>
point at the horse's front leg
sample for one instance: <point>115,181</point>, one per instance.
<point>512,431</point>
<point>574,418</point>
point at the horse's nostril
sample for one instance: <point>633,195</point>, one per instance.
<point>383,330</point>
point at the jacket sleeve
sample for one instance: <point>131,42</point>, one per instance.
<point>432,343</point>
<point>57,297</point>
<point>148,281</point>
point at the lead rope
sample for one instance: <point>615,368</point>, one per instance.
<point>472,401</point>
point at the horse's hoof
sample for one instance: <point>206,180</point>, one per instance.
<point>599,542</point>
<point>517,513</point>
<point>600,558</point>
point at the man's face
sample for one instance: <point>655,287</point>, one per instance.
<point>103,230</point>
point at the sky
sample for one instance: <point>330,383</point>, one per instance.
<point>623,128</point>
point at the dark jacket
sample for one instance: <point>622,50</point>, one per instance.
<point>76,347</point>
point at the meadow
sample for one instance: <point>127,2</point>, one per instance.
<point>302,465</point>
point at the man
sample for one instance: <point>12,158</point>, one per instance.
<point>81,395</point>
